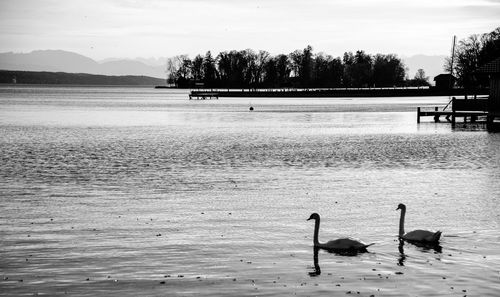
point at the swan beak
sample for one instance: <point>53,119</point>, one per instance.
<point>308,219</point>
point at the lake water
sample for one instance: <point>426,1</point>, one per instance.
<point>135,191</point>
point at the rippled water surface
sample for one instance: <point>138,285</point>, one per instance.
<point>136,191</point>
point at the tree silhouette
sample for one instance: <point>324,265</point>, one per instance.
<point>421,79</point>
<point>300,68</point>
<point>471,53</point>
<point>388,71</point>
<point>197,68</point>
<point>209,70</point>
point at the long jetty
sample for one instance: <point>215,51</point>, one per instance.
<point>337,92</point>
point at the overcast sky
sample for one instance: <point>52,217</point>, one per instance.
<point>155,28</point>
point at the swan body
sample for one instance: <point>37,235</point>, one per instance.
<point>422,236</point>
<point>340,245</point>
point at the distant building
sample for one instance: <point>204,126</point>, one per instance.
<point>492,69</point>
<point>445,81</point>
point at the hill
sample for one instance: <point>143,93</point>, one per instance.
<point>64,61</point>
<point>62,78</point>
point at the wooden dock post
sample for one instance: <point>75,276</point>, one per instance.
<point>418,115</point>
<point>436,117</point>
<point>453,112</point>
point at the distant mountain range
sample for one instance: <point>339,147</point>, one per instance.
<point>64,61</point>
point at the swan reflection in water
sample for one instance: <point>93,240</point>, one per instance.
<point>317,270</point>
<point>402,256</point>
<point>423,246</point>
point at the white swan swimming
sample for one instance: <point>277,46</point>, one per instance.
<point>337,245</point>
<point>422,236</point>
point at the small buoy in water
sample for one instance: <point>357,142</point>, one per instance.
<point>251,108</point>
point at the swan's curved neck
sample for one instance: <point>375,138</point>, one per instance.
<point>316,232</point>
<point>402,222</point>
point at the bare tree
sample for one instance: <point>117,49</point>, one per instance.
<point>421,79</point>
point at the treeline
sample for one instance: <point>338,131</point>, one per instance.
<point>472,53</point>
<point>299,69</point>
<point>42,77</point>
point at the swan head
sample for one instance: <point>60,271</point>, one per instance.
<point>314,216</point>
<point>401,206</point>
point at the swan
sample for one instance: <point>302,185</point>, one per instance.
<point>337,245</point>
<point>421,236</point>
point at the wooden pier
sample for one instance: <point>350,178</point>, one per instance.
<point>460,108</point>
<point>331,92</point>
<point>448,114</point>
<point>203,95</point>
